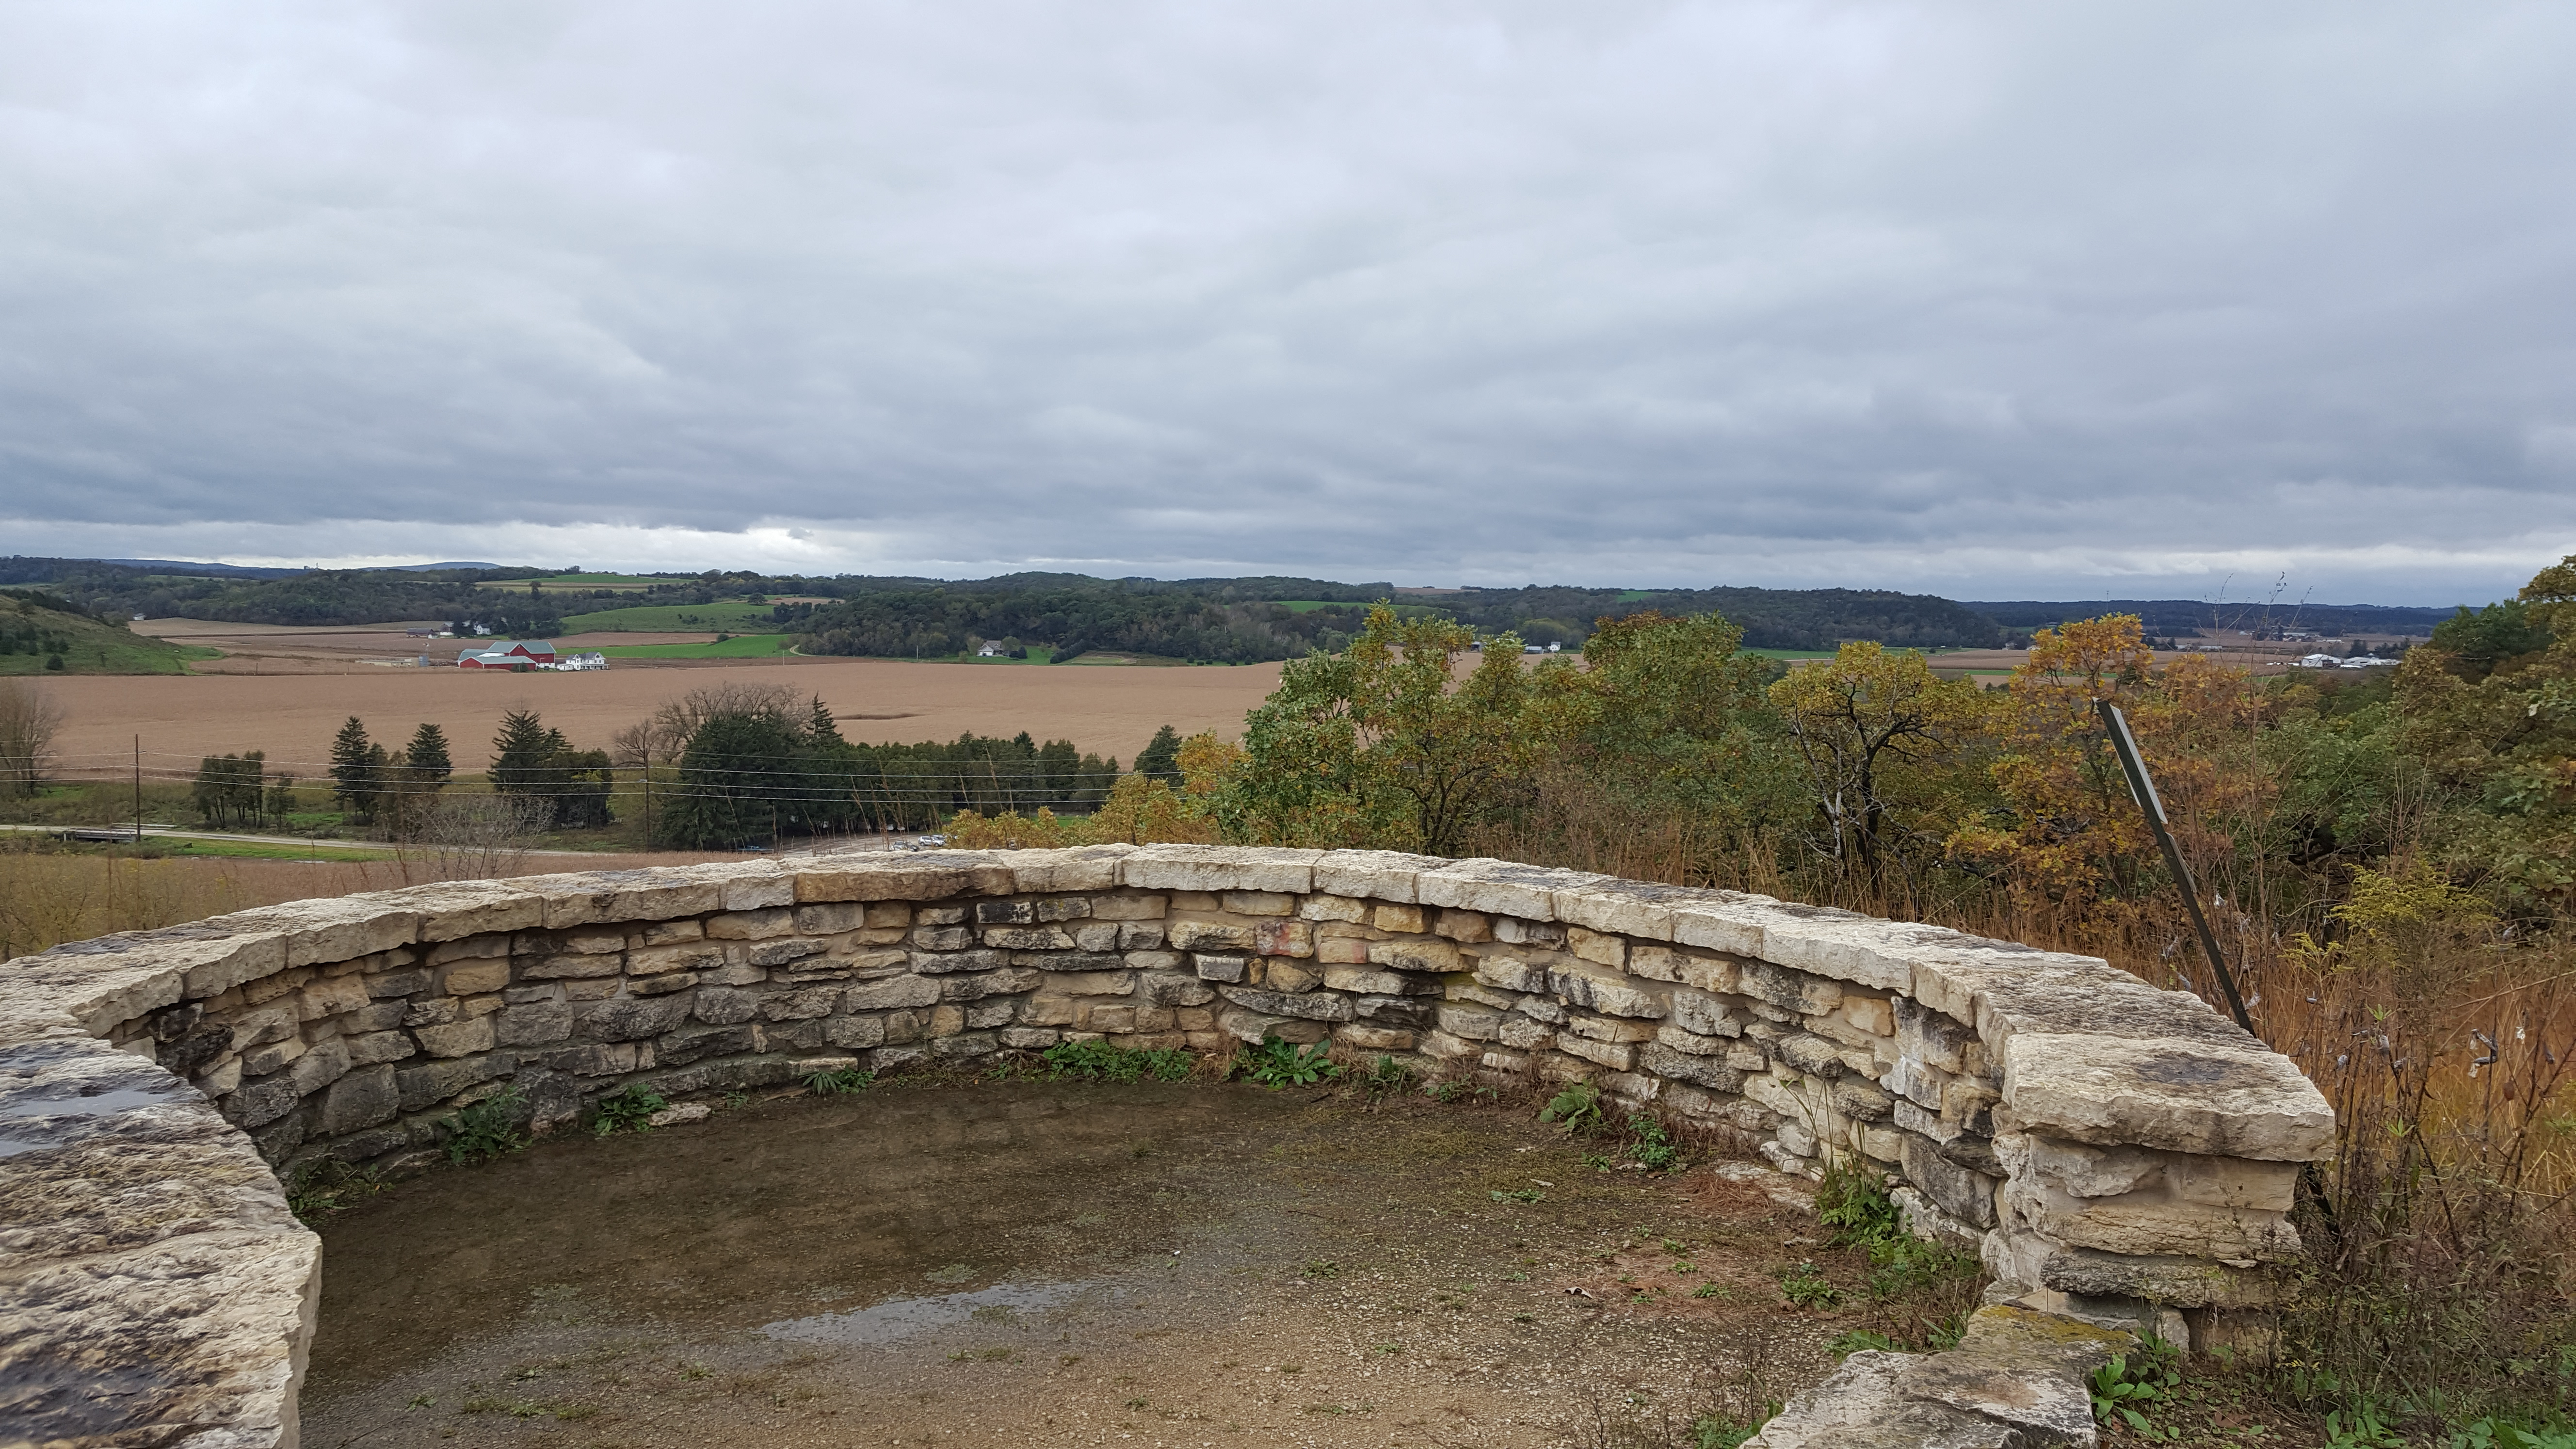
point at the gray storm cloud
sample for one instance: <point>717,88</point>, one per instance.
<point>1996,300</point>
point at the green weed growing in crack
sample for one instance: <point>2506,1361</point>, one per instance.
<point>839,1082</point>
<point>487,1128</point>
<point>1578,1107</point>
<point>628,1109</point>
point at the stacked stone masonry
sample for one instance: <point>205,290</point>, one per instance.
<point>2118,1154</point>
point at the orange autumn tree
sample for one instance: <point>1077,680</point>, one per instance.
<point>2067,841</point>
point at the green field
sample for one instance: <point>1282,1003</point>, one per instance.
<point>741,646</point>
<point>33,636</point>
<point>574,583</point>
<point>734,616</point>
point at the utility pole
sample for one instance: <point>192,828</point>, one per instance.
<point>2143,789</point>
<point>138,789</point>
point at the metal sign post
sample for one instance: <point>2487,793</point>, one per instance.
<point>2143,788</point>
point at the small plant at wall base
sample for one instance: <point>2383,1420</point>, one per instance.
<point>1100,1061</point>
<point>487,1128</point>
<point>629,1109</point>
<point>320,1189</point>
<point>1276,1064</point>
<point>2123,1389</point>
<point>840,1082</point>
<point>1939,1284</point>
<point>1578,1107</point>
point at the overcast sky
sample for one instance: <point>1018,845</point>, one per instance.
<point>1996,301</point>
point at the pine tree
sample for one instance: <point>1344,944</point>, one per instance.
<point>1161,759</point>
<point>427,757</point>
<point>519,753</point>
<point>353,772</point>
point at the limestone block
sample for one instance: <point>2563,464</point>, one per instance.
<point>1664,1061</point>
<point>1373,1038</point>
<point>1383,875</point>
<point>1332,908</point>
<point>1624,908</point>
<point>662,985</point>
<point>340,994</point>
<point>880,995</point>
<point>1129,907</point>
<point>1256,903</point>
<point>943,938</point>
<point>1466,927</point>
<point>380,1046</point>
<point>1692,1043</point>
<point>1254,1026</point>
<point>1028,1038</point>
<point>467,978</point>
<point>627,1019</point>
<point>1091,983</point>
<point>1082,868</point>
<point>534,1024</point>
<point>1607,1028</point>
<point>431,1083</point>
<point>1413,1013</point>
<point>725,1006</point>
<point>1520,1032</point>
<point>1046,1010</point>
<point>1813,1055</point>
<point>339,928</point>
<point>1540,935</point>
<point>1316,1006</point>
<point>965,1046</point>
<point>1405,918</point>
<point>1380,983</point>
<point>566,967</point>
<point>1510,973</point>
<point>1219,968</point>
<point>1342,950</point>
<point>1457,990</point>
<point>889,961</point>
<point>1796,1140</point>
<point>1501,887</point>
<point>948,1020</point>
<point>1172,988</point>
<point>2233,1182</point>
<point>1156,961</point>
<point>939,915</point>
<point>1284,938</point>
<point>1733,925</point>
<point>1694,969</point>
<point>1220,868</point>
<point>942,963</point>
<point>2150,1224</point>
<point>260,1061</point>
<point>325,1063</point>
<point>1597,947</point>
<point>271,988</point>
<point>1473,1023</point>
<point>2017,1378</point>
<point>755,885</point>
<point>1140,935</point>
<point>456,1039</point>
<point>2206,1097</point>
<point>2172,1281</point>
<point>1027,938</point>
<point>1704,1015</point>
<point>1541,1008</point>
<point>1005,913</point>
<point>1849,947</point>
<point>454,910</point>
<point>1618,1056</point>
<point>473,947</point>
<point>930,876</point>
<point>1963,1194</point>
<point>1208,936</point>
<point>1418,953</point>
<point>1282,976</point>
<point>1101,936</point>
<point>682,1048</point>
<point>624,896</point>
<point>1605,989</point>
<point>1449,1048</point>
<point>1860,1101</point>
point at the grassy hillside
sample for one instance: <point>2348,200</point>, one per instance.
<point>733,615</point>
<point>42,635</point>
<point>741,646</point>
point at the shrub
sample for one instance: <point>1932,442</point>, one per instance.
<point>487,1128</point>
<point>1100,1061</point>
<point>629,1109</point>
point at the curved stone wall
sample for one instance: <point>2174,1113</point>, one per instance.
<point>2118,1154</point>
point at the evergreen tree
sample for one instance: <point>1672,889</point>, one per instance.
<point>519,753</point>
<point>426,757</point>
<point>353,771</point>
<point>1161,760</point>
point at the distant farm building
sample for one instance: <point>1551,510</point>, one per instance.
<point>509,654</point>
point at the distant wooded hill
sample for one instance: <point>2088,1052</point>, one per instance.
<point>1220,620</point>
<point>2182,616</point>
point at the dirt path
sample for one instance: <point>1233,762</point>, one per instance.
<point>1049,1264</point>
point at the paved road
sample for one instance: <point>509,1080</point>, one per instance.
<point>301,842</point>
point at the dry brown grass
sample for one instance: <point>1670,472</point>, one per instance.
<point>48,897</point>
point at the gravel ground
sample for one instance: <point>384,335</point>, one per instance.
<point>1058,1264</point>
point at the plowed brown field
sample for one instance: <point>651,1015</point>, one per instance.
<point>1109,709</point>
